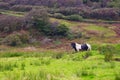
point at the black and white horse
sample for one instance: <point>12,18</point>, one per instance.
<point>81,47</point>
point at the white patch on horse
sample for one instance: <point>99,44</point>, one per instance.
<point>78,46</point>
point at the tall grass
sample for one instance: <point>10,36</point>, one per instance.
<point>50,65</point>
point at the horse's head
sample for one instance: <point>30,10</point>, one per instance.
<point>73,44</point>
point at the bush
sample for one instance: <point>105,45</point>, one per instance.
<point>9,24</point>
<point>24,36</point>
<point>4,5</point>
<point>59,16</point>
<point>58,30</point>
<point>62,30</point>
<point>74,18</point>
<point>16,39</point>
<point>108,51</point>
<point>21,8</point>
<point>12,40</point>
<point>70,10</point>
<point>106,13</point>
<point>114,4</point>
<point>37,18</point>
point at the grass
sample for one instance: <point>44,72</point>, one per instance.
<point>101,29</point>
<point>61,69</point>
<point>53,65</point>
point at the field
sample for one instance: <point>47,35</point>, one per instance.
<point>58,61</point>
<point>41,64</point>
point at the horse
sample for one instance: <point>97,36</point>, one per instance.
<point>81,47</point>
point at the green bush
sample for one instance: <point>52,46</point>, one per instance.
<point>12,40</point>
<point>62,30</point>
<point>24,36</point>
<point>74,18</point>
<point>16,39</point>
<point>53,29</point>
<point>59,15</point>
<point>108,51</point>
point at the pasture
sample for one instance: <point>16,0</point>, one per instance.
<point>41,64</point>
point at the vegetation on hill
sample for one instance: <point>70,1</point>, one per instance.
<point>100,9</point>
<point>35,37</point>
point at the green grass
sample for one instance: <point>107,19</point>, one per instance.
<point>60,69</point>
<point>107,31</point>
<point>50,65</point>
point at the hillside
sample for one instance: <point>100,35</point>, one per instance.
<point>96,31</point>
<point>36,36</point>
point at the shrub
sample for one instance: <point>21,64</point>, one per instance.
<point>108,51</point>
<point>12,40</point>
<point>9,24</point>
<point>62,30</point>
<point>59,15</point>
<point>24,36</point>
<point>4,5</point>
<point>16,39</point>
<point>70,10</point>
<point>106,13</point>
<point>74,18</point>
<point>53,29</point>
<point>114,4</point>
<point>21,8</point>
<point>37,18</point>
